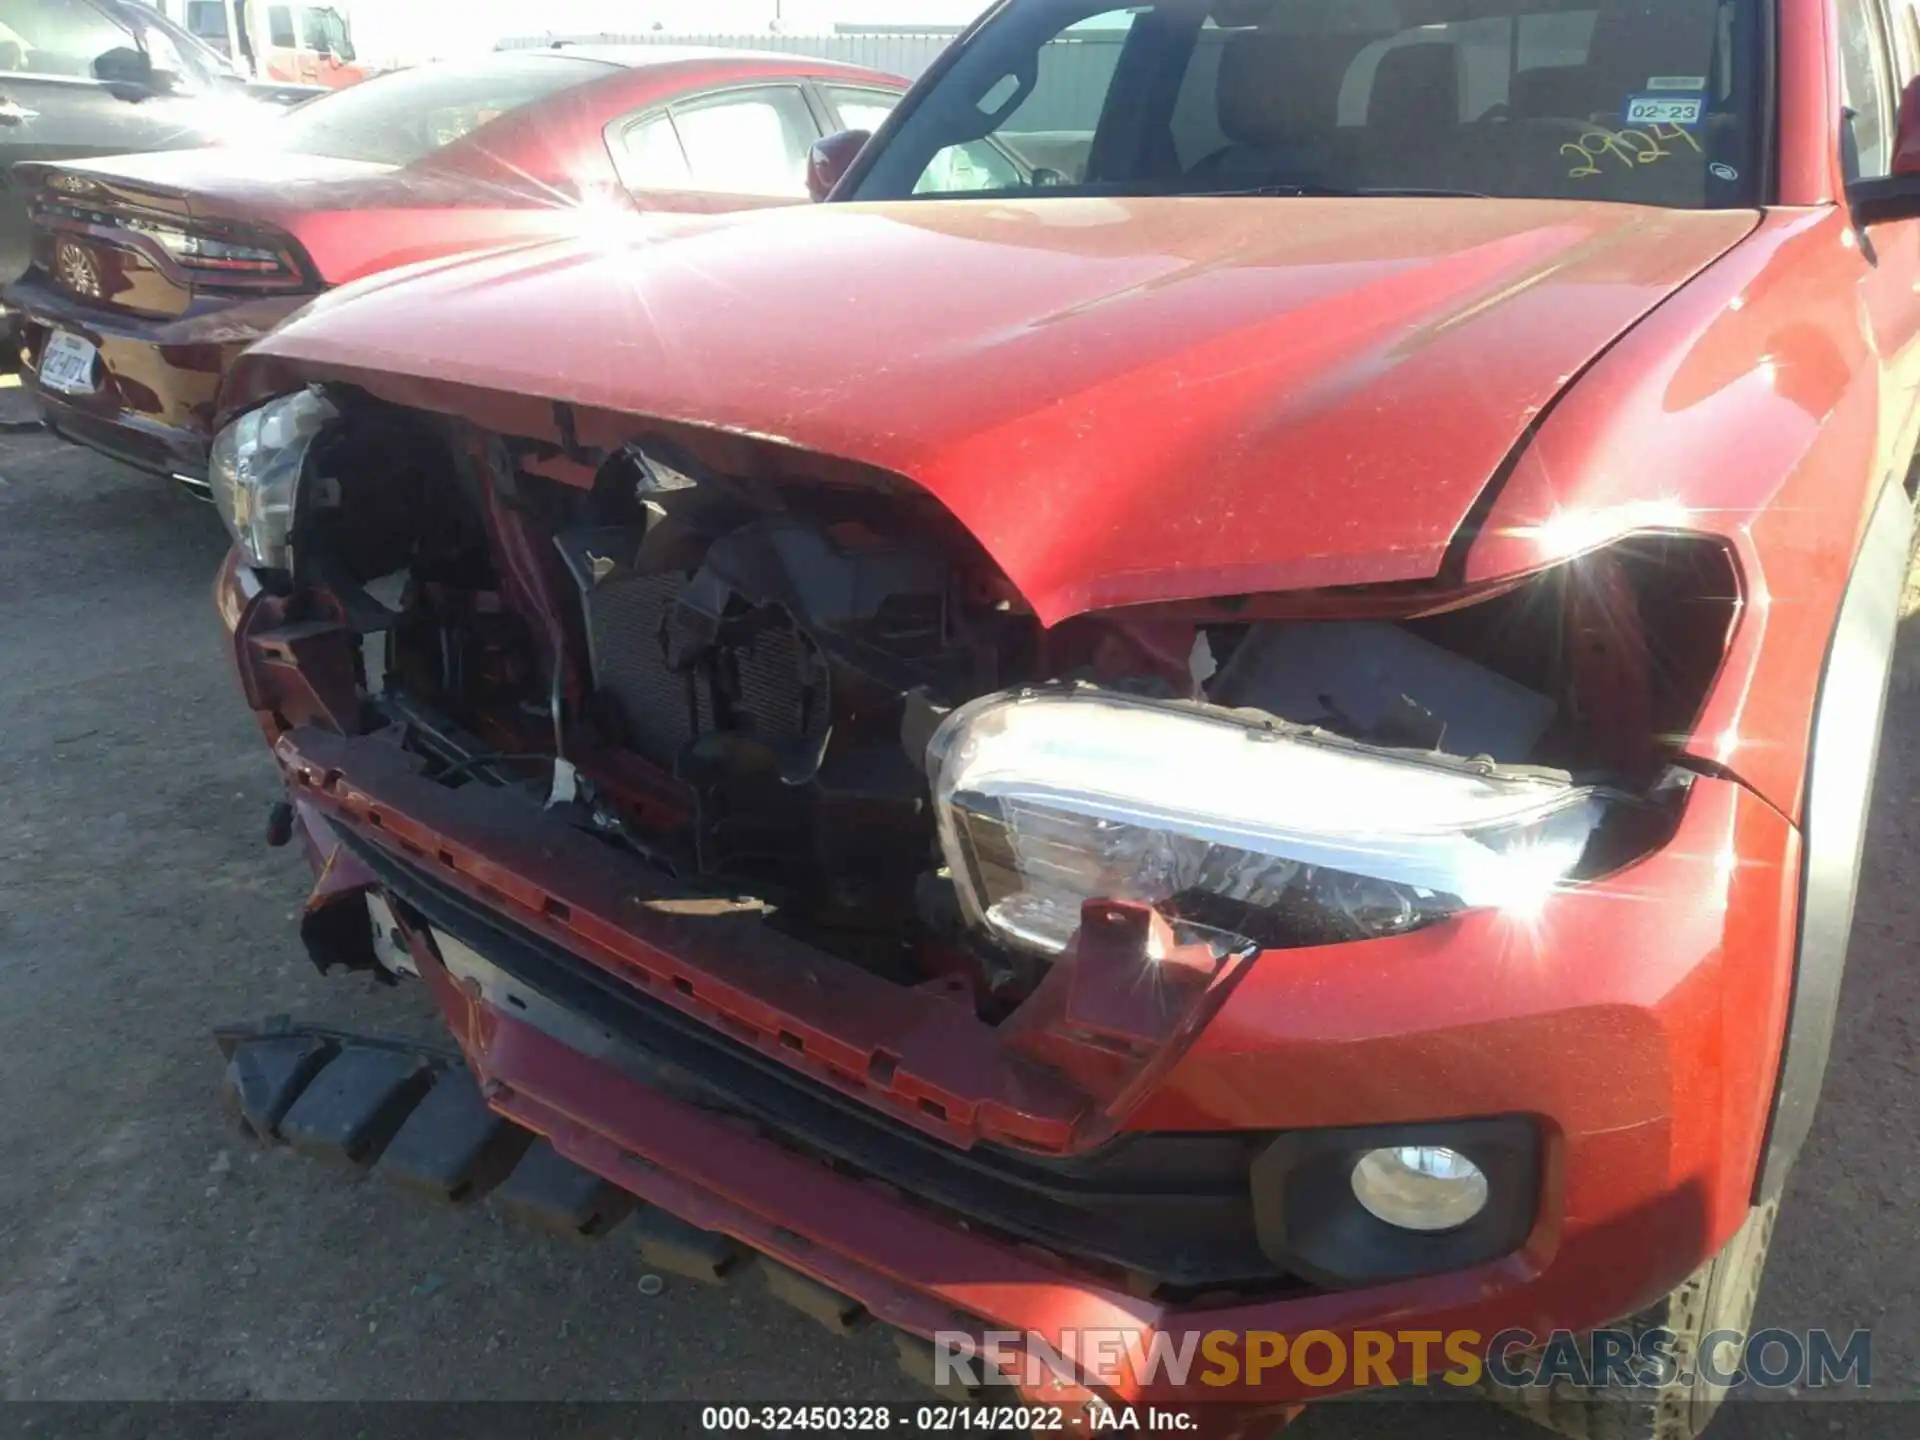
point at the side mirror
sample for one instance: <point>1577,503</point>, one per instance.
<point>831,158</point>
<point>1895,196</point>
<point>128,70</point>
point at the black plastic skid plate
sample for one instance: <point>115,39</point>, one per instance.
<point>265,1077</point>
<point>414,1113</point>
<point>552,1192</point>
<point>356,1104</point>
<point>452,1147</point>
<point>671,1244</point>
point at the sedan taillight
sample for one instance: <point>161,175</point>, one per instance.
<point>204,253</point>
<point>249,257</point>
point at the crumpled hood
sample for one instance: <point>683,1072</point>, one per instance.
<point>1124,401</point>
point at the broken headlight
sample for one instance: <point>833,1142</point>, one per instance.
<point>254,470</point>
<point>1257,831</point>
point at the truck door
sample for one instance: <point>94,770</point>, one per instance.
<point>282,58</point>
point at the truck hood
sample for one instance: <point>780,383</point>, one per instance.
<point>1124,401</point>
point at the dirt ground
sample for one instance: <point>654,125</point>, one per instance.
<point>147,1253</point>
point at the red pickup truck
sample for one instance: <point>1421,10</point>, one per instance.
<point>1234,695</point>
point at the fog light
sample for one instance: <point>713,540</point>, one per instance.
<point>1420,1187</point>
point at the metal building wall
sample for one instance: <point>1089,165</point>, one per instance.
<point>905,54</point>
<point>1075,71</point>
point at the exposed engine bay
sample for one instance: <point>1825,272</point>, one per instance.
<point>752,681</point>
<point>766,663</point>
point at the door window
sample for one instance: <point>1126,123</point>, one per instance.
<point>1867,139</point>
<point>1041,121</point>
<point>326,33</point>
<point>748,142</point>
<point>648,156</point>
<point>165,55</point>
<point>861,109</point>
<point>280,31</point>
<point>57,37</point>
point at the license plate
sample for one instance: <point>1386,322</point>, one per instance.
<point>67,363</point>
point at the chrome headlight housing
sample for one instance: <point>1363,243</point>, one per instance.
<point>254,470</point>
<point>1235,826</point>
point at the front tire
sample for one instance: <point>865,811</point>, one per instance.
<point>1719,1296</point>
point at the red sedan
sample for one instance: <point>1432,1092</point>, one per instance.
<point>152,272</point>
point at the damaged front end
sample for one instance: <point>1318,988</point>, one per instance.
<point>707,731</point>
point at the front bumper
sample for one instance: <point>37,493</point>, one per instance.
<point>158,379</point>
<point>1636,1021</point>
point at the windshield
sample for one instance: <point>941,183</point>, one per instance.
<point>400,118</point>
<point>1623,100</point>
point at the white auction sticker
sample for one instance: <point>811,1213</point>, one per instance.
<point>1664,110</point>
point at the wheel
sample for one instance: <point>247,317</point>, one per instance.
<point>1718,1296</point>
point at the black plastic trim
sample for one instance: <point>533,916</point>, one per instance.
<point>1842,759</point>
<point>1768,94</point>
<point>1176,1208</point>
<point>1310,1222</point>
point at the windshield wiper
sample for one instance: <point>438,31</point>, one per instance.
<point>1338,192</point>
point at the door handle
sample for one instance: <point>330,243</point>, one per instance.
<point>12,114</point>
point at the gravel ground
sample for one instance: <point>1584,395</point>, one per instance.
<point>147,1253</point>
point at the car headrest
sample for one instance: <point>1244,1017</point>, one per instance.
<point>1416,90</point>
<point>1555,92</point>
<point>1276,88</point>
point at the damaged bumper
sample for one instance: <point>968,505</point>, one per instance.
<point>1629,1026</point>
